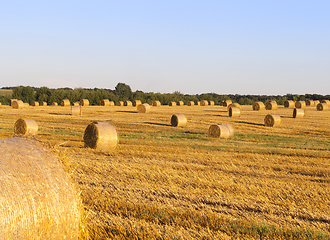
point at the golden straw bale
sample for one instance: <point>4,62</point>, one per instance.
<point>136,103</point>
<point>272,105</point>
<point>76,104</point>
<point>84,102</point>
<point>35,104</point>
<point>272,120</point>
<point>180,103</point>
<point>257,106</point>
<point>43,104</point>
<point>128,103</point>
<point>300,104</point>
<point>219,131</point>
<point>298,113</point>
<point>143,108</point>
<point>198,103</point>
<point>65,103</point>
<point>0,103</point>
<point>316,102</point>
<point>101,136</point>
<point>190,103</point>
<point>326,101</point>
<point>211,103</point>
<point>18,104</point>
<point>120,103</point>
<point>172,104</point>
<point>234,112</point>
<point>226,103</point>
<point>230,128</point>
<point>37,198</point>
<point>111,103</point>
<point>26,104</point>
<point>310,103</point>
<point>233,105</point>
<point>179,120</point>
<point>54,104</point>
<point>204,103</point>
<point>156,103</point>
<point>11,101</point>
<point>289,104</point>
<point>76,110</point>
<point>104,102</point>
<point>26,127</point>
<point>322,107</point>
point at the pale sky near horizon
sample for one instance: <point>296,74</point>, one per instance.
<point>226,47</point>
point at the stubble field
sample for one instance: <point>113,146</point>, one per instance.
<point>178,183</point>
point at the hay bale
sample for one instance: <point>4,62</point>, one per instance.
<point>76,104</point>
<point>143,108</point>
<point>226,103</point>
<point>38,200</point>
<point>84,102</point>
<point>230,128</point>
<point>11,101</point>
<point>233,105</point>
<point>272,120</point>
<point>18,104</point>
<point>101,136</point>
<point>204,103</point>
<point>258,106</point>
<point>219,131</point>
<point>54,104</point>
<point>310,103</point>
<point>172,104</point>
<point>234,112</point>
<point>35,104</point>
<point>120,103</point>
<point>198,103</point>
<point>136,103</point>
<point>65,103</point>
<point>76,110</point>
<point>211,103</point>
<point>272,105</point>
<point>43,104</point>
<point>190,103</point>
<point>156,103</point>
<point>326,101</point>
<point>316,102</point>
<point>289,104</point>
<point>179,120</point>
<point>26,104</point>
<point>128,104</point>
<point>298,113</point>
<point>322,107</point>
<point>26,127</point>
<point>104,102</point>
<point>180,103</point>
<point>300,104</point>
<point>111,103</point>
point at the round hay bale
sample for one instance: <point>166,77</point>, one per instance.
<point>298,113</point>
<point>18,104</point>
<point>233,105</point>
<point>180,103</point>
<point>76,110</point>
<point>271,105</point>
<point>258,106</point>
<point>136,103</point>
<point>219,131</point>
<point>35,104</point>
<point>289,104</point>
<point>11,101</point>
<point>43,104</point>
<point>128,103</point>
<point>55,104</point>
<point>172,104</point>
<point>230,128</point>
<point>37,198</point>
<point>322,107</point>
<point>143,108</point>
<point>179,120</point>
<point>316,102</point>
<point>26,127</point>
<point>326,101</point>
<point>272,120</point>
<point>26,104</point>
<point>101,136</point>
<point>76,104</point>
<point>211,103</point>
<point>105,102</point>
<point>120,103</point>
<point>226,103</point>
<point>234,112</point>
<point>190,103</point>
<point>156,103</point>
<point>300,104</point>
<point>198,103</point>
<point>310,103</point>
<point>204,103</point>
<point>84,102</point>
<point>111,103</point>
<point>65,103</point>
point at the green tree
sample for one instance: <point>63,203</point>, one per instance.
<point>26,94</point>
<point>124,91</point>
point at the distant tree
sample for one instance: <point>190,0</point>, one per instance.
<point>123,90</point>
<point>26,94</point>
<point>43,95</point>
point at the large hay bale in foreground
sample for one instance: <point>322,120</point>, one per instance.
<point>226,103</point>
<point>298,113</point>
<point>180,103</point>
<point>26,127</point>
<point>300,104</point>
<point>326,101</point>
<point>76,110</point>
<point>322,107</point>
<point>272,105</point>
<point>65,103</point>
<point>258,106</point>
<point>219,131</point>
<point>35,104</point>
<point>136,103</point>
<point>289,104</point>
<point>120,103</point>
<point>101,136</point>
<point>230,128</point>
<point>143,108</point>
<point>179,120</point>
<point>156,103</point>
<point>310,103</point>
<point>128,103</point>
<point>84,102</point>
<point>190,103</point>
<point>272,120</point>
<point>204,103</point>
<point>234,112</point>
<point>18,104</point>
<point>172,104</point>
<point>38,200</point>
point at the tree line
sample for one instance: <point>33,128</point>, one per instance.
<point>123,92</point>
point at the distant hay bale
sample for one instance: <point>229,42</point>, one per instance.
<point>198,103</point>
<point>55,104</point>
<point>76,104</point>
<point>310,103</point>
<point>43,104</point>
<point>35,104</point>
<point>17,104</point>
<point>219,131</point>
<point>38,201</point>
<point>84,102</point>
<point>120,103</point>
<point>180,103</point>
<point>190,103</point>
<point>289,104</point>
<point>11,101</point>
<point>26,104</point>
<point>136,103</point>
<point>26,127</point>
<point>221,103</point>
<point>233,105</point>
<point>272,120</point>
<point>298,113</point>
<point>326,101</point>
<point>111,103</point>
<point>104,102</point>
<point>204,103</point>
<point>143,108</point>
<point>76,110</point>
<point>226,103</point>
<point>128,103</point>
<point>156,103</point>
<point>65,103</point>
<point>172,104</point>
<point>316,102</point>
<point>211,103</point>
<point>258,106</point>
<point>101,136</point>
<point>179,120</point>
<point>234,112</point>
<point>322,107</point>
<point>272,105</point>
<point>300,104</point>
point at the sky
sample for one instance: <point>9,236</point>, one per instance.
<point>225,47</point>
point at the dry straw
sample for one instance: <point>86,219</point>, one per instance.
<point>272,105</point>
<point>298,113</point>
<point>198,103</point>
<point>143,108</point>
<point>17,104</point>
<point>35,104</point>
<point>204,103</point>
<point>322,107</point>
<point>258,106</point>
<point>26,104</point>
<point>26,127</point>
<point>272,120</point>
<point>37,198</point>
<point>219,131</point>
<point>233,105</point>
<point>190,103</point>
<point>316,102</point>
<point>101,136</point>
<point>84,102</point>
<point>65,103</point>
<point>211,103</point>
<point>11,102</point>
<point>120,103</point>
<point>54,104</point>
<point>234,112</point>
<point>289,104</point>
<point>43,104</point>
<point>230,128</point>
<point>76,104</point>
<point>326,101</point>
<point>172,104</point>
<point>136,103</point>
<point>128,104</point>
<point>180,103</point>
<point>226,103</point>
<point>179,120</point>
<point>104,102</point>
<point>156,103</point>
<point>76,110</point>
<point>310,103</point>
<point>300,104</point>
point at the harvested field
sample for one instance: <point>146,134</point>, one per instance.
<point>178,183</point>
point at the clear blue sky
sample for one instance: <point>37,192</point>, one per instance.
<point>226,47</point>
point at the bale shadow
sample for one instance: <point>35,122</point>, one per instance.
<point>60,113</point>
<point>250,123</point>
<point>159,124</point>
<point>127,111</point>
<point>215,111</point>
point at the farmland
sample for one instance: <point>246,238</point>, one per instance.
<point>177,183</point>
